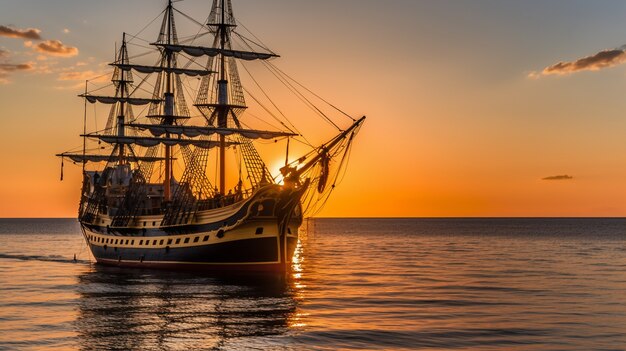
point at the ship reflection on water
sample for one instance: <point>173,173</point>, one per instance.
<point>141,309</point>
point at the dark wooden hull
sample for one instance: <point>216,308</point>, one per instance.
<point>203,259</point>
<point>251,236</point>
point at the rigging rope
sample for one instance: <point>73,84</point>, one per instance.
<point>255,37</point>
<point>246,42</point>
<point>271,101</point>
<point>135,36</point>
<point>307,89</point>
<point>302,97</point>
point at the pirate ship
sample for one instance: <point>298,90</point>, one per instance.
<point>155,187</point>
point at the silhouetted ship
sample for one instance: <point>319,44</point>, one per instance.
<point>136,211</point>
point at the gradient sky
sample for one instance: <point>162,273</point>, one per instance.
<point>461,119</point>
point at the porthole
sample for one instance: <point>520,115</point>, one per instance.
<point>178,241</point>
<point>259,230</point>
<point>140,242</point>
<point>206,238</point>
<point>161,242</point>
<point>220,233</point>
<point>195,240</point>
<point>169,241</point>
<point>186,240</point>
<point>154,242</point>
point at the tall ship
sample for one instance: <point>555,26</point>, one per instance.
<point>175,179</point>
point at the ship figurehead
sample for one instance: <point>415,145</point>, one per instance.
<point>175,179</point>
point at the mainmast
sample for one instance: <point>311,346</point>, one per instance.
<point>169,108</point>
<point>222,117</point>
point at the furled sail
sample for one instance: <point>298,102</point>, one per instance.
<point>113,99</point>
<point>202,50</point>
<point>103,158</point>
<point>158,69</point>
<point>194,131</point>
<point>148,141</point>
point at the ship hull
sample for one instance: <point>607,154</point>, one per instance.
<point>254,235</point>
<point>236,249</point>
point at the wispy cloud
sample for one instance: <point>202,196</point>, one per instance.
<point>603,59</point>
<point>559,177</point>
<point>83,76</point>
<point>28,33</point>
<point>53,48</point>
<point>79,77</point>
<point>7,68</point>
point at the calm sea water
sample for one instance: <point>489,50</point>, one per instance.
<point>424,284</point>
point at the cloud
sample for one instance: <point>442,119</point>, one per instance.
<point>558,177</point>
<point>7,68</point>
<point>83,76</point>
<point>29,33</point>
<point>53,48</point>
<point>4,53</point>
<point>598,61</point>
<point>65,30</point>
<point>79,77</point>
<point>10,67</point>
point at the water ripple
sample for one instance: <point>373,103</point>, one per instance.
<point>463,284</point>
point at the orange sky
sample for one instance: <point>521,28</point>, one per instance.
<point>459,121</point>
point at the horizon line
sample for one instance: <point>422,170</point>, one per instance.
<point>406,217</point>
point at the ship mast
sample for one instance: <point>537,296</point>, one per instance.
<point>222,117</point>
<point>169,107</point>
<point>122,87</point>
<point>84,130</point>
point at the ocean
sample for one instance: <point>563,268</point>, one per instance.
<point>357,284</point>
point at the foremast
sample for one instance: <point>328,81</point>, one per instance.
<point>122,92</point>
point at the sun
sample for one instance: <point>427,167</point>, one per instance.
<point>274,168</point>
